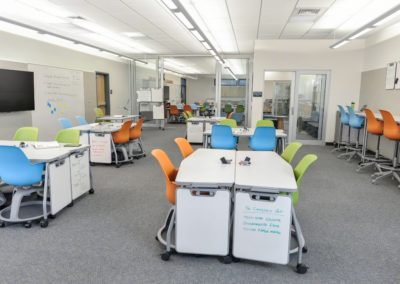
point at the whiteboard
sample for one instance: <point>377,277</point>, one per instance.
<point>391,75</point>
<point>397,77</point>
<point>262,228</point>
<point>58,93</point>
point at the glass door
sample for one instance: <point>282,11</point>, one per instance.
<point>308,108</point>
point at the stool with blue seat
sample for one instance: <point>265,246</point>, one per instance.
<point>222,137</point>
<point>16,170</point>
<point>344,120</point>
<point>65,122</point>
<point>263,139</point>
<point>355,122</point>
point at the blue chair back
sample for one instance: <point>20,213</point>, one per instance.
<point>344,116</point>
<point>238,116</point>
<point>194,106</point>
<point>263,139</point>
<point>65,122</point>
<point>222,137</point>
<point>16,169</point>
<point>81,120</point>
<point>355,121</point>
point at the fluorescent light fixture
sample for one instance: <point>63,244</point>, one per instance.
<point>206,45</point>
<point>56,40</point>
<point>340,44</point>
<point>197,35</point>
<point>231,73</point>
<point>387,19</point>
<point>127,58</point>
<point>360,33</point>
<point>15,29</point>
<point>134,34</point>
<point>170,4</point>
<point>212,52</point>
<point>111,43</point>
<point>48,7</point>
<point>184,20</point>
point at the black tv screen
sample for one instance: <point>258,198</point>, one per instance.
<point>16,91</point>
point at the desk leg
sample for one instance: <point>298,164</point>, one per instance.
<point>115,152</point>
<point>300,268</point>
<point>44,223</point>
<point>283,141</point>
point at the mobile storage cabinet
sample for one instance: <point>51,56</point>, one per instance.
<point>80,173</point>
<point>195,131</point>
<point>202,221</point>
<point>60,185</point>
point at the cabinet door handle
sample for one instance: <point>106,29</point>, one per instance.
<point>60,163</point>
<point>99,134</point>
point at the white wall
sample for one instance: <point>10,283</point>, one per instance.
<point>344,64</point>
<point>200,89</point>
<point>24,50</point>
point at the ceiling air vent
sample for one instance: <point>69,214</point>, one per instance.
<point>308,11</point>
<point>306,14</point>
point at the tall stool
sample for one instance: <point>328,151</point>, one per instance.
<point>392,132</point>
<point>374,127</point>
<point>355,122</point>
<point>344,120</point>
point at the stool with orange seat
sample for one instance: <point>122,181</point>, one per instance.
<point>170,173</point>
<point>374,127</point>
<point>187,108</point>
<point>184,146</point>
<point>391,130</point>
<point>120,143</point>
<point>174,113</point>
<point>135,137</point>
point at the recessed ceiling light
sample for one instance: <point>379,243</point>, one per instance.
<point>184,20</point>
<point>197,35</point>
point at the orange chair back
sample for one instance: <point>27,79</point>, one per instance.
<point>187,108</point>
<point>184,146</point>
<point>374,126</point>
<point>170,173</point>
<point>122,135</point>
<point>390,128</point>
<point>136,132</point>
<point>173,110</point>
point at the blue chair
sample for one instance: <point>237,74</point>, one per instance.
<point>16,170</point>
<point>355,122</point>
<point>81,120</point>
<point>65,122</point>
<point>263,139</point>
<point>222,137</point>
<point>344,120</point>
<point>239,117</point>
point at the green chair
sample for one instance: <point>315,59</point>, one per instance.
<point>26,134</point>
<point>99,112</point>
<point>240,108</point>
<point>228,121</point>
<point>299,172</point>
<point>291,151</point>
<point>68,136</point>
<point>265,122</point>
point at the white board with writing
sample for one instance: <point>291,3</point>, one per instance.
<point>391,75</point>
<point>58,93</point>
<point>262,228</point>
<point>100,148</point>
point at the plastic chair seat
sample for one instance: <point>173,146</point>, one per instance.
<point>222,137</point>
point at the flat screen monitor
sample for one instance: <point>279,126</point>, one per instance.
<point>16,91</point>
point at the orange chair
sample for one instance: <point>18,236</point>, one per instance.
<point>184,146</point>
<point>174,113</point>
<point>170,173</point>
<point>135,137</point>
<point>120,140</point>
<point>374,127</point>
<point>187,108</point>
<point>391,130</point>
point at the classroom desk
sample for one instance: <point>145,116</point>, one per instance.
<point>195,126</point>
<point>67,173</point>
<point>99,137</point>
<point>246,132</point>
<point>119,118</point>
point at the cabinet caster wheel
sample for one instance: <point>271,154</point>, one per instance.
<point>144,155</point>
<point>131,161</point>
<point>301,269</point>
<point>91,191</point>
<point>51,216</point>
<point>71,204</point>
<point>117,165</point>
<point>235,259</point>
<point>2,225</point>
<point>28,225</point>
<point>165,256</point>
<point>44,223</point>
<point>305,249</point>
<point>227,259</point>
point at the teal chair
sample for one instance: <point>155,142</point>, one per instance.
<point>81,120</point>
<point>65,123</point>
<point>263,139</point>
<point>291,151</point>
<point>26,134</point>
<point>222,137</point>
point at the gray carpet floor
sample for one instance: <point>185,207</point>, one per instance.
<point>351,228</point>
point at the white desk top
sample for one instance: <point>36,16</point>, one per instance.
<point>379,116</point>
<point>101,128</point>
<point>44,155</point>
<point>205,118</point>
<point>118,117</point>
<point>267,172</point>
<point>204,168</point>
<point>240,132</point>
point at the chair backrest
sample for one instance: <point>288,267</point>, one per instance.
<point>12,161</point>
<point>222,137</point>
<point>265,122</point>
<point>194,106</point>
<point>290,151</point>
<point>187,108</point>
<point>99,112</point>
<point>27,134</point>
<point>390,128</point>
<point>170,173</point>
<point>299,172</point>
<point>173,109</point>
<point>344,116</point>
<point>374,126</point>
<point>81,120</point>
<point>240,108</point>
<point>122,135</point>
<point>69,136</point>
<point>263,139</point>
<point>229,122</point>
<point>136,131</point>
<point>65,122</point>
<point>238,117</point>
<point>184,146</point>
<point>228,108</point>
<point>355,121</point>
